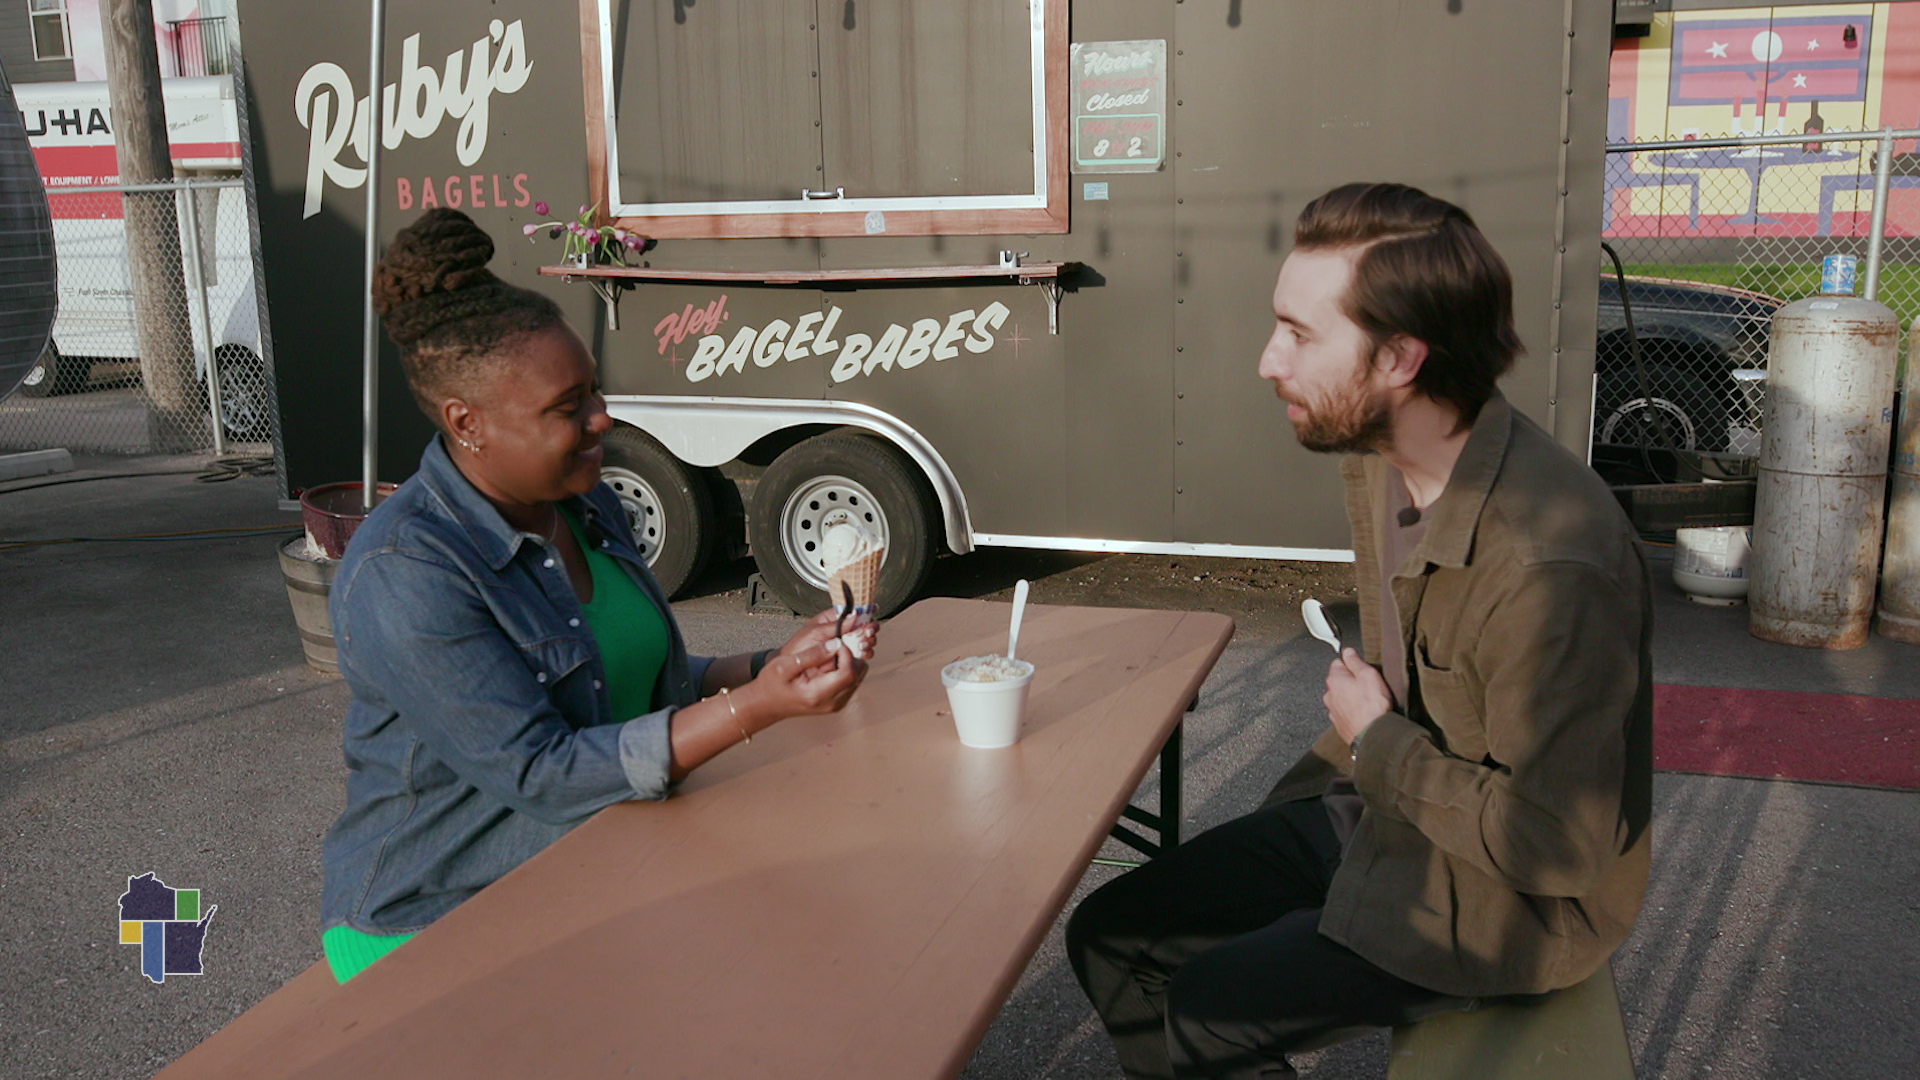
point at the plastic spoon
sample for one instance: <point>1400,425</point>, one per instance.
<point>1019,609</point>
<point>1318,624</point>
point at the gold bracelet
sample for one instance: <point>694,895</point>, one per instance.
<point>727,694</point>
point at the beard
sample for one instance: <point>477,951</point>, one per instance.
<point>1355,419</point>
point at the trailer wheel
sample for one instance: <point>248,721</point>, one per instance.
<point>668,505</point>
<point>830,479</point>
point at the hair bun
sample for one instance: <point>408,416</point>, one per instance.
<point>430,274</point>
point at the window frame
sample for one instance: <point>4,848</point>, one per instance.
<point>34,15</point>
<point>1044,210</point>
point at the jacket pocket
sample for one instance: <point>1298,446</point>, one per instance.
<point>1451,707</point>
<point>554,659</point>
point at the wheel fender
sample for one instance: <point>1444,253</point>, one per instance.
<point>1616,347</point>
<point>708,432</point>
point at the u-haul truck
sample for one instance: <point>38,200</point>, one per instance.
<point>70,126</point>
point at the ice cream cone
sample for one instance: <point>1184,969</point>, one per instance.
<point>861,576</point>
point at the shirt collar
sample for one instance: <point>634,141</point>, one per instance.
<point>495,537</point>
<point>1454,517</point>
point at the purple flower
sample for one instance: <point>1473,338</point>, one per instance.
<point>542,209</point>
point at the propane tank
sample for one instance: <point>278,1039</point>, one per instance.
<point>1820,503</point>
<point>1900,575</point>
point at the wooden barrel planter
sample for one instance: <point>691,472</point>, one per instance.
<point>309,580</point>
<point>307,563</point>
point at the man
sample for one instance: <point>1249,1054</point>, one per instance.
<point>1474,822</point>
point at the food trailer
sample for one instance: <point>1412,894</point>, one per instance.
<point>973,272</point>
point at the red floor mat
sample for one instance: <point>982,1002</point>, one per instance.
<point>1783,734</point>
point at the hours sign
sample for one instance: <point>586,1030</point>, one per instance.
<point>1119,93</point>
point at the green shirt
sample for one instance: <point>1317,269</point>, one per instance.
<point>632,634</point>
<point>633,639</point>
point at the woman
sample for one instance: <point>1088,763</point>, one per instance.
<point>514,666</point>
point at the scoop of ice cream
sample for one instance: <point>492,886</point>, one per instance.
<point>844,543</point>
<point>990,668</point>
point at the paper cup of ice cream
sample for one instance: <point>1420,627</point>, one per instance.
<point>988,695</point>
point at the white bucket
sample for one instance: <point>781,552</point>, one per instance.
<point>1710,565</point>
<point>987,714</point>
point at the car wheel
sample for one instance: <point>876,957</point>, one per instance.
<point>838,478</point>
<point>1681,404</point>
<point>54,374</point>
<point>668,504</point>
<point>246,407</point>
<point>42,375</point>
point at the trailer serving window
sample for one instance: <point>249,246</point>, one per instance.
<point>828,118</point>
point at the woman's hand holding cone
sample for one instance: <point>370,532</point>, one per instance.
<point>806,682</point>
<point>820,630</point>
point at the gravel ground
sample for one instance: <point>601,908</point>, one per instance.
<point>157,716</point>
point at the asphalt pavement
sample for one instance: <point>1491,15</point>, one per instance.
<point>156,714</point>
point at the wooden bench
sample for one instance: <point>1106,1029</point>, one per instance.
<point>1576,1034</point>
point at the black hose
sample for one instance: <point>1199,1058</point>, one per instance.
<point>1639,368</point>
<point>221,469</point>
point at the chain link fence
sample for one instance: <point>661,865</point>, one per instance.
<point>1714,235</point>
<point>158,329</point>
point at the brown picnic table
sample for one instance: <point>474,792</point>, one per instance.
<point>848,896</point>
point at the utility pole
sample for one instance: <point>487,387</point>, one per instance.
<point>160,313</point>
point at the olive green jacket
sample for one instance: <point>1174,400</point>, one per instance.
<point>1504,845</point>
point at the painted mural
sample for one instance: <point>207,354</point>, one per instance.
<point>1813,71</point>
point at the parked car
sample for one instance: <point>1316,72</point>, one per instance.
<point>1704,348</point>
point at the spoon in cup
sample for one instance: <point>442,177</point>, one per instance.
<point>1019,610</point>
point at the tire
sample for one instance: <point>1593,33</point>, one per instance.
<point>833,477</point>
<point>1694,417</point>
<point>669,506</point>
<point>41,377</point>
<point>54,374</point>
<point>246,406</point>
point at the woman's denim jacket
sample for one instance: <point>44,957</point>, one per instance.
<point>480,729</point>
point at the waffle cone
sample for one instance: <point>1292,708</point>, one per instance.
<point>862,576</point>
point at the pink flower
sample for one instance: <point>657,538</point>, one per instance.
<point>633,243</point>
<point>542,209</point>
<point>529,230</point>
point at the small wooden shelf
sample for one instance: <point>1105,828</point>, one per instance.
<point>1026,272</point>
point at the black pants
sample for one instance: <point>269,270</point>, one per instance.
<point>1208,961</point>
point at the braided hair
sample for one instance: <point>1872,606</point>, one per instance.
<point>448,313</point>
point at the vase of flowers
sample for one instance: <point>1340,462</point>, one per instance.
<point>587,242</point>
